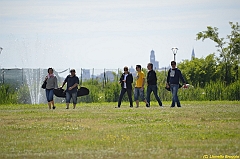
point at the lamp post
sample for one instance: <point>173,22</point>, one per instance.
<point>174,50</point>
<point>0,67</point>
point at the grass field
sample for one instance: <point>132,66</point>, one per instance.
<point>101,131</point>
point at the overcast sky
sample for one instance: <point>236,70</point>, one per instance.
<point>107,33</point>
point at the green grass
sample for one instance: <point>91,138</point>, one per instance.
<point>101,131</point>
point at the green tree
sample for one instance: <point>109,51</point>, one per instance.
<point>200,71</point>
<point>229,50</point>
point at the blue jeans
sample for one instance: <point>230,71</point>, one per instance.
<point>129,93</point>
<point>154,89</point>
<point>138,92</point>
<point>174,90</point>
<point>71,95</point>
<point>49,95</point>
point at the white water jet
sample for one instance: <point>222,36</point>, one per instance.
<point>34,81</point>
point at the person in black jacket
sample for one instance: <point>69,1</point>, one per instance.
<point>152,85</point>
<point>174,75</point>
<point>126,81</point>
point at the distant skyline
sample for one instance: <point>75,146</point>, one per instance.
<point>108,34</point>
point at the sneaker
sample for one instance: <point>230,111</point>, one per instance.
<point>161,106</point>
<point>67,108</point>
<point>54,107</point>
<point>172,106</point>
<point>179,106</point>
<point>131,106</point>
<point>137,106</point>
<point>117,107</point>
<point>147,105</point>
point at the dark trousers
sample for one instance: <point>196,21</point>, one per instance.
<point>129,93</point>
<point>154,89</point>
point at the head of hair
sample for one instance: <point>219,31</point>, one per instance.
<point>173,62</point>
<point>151,65</point>
<point>139,66</point>
<point>72,70</point>
<point>49,69</point>
<point>125,68</point>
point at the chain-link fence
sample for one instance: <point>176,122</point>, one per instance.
<point>28,81</point>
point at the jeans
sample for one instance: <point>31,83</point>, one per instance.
<point>174,90</point>
<point>138,92</point>
<point>154,89</point>
<point>49,95</point>
<point>71,95</point>
<point>129,93</point>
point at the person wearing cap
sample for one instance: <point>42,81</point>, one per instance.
<point>72,87</point>
<point>174,75</point>
<point>126,81</point>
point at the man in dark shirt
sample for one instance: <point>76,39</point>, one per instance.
<point>174,75</point>
<point>72,88</point>
<point>126,81</point>
<point>152,84</point>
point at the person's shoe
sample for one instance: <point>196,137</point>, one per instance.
<point>172,106</point>
<point>117,107</point>
<point>74,107</point>
<point>137,106</point>
<point>131,106</point>
<point>179,106</point>
<point>54,107</point>
<point>147,105</point>
<point>161,106</point>
<point>67,108</point>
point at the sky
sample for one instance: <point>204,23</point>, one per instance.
<point>108,34</point>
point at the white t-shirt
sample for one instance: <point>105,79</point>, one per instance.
<point>125,78</point>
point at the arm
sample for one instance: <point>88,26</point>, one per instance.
<point>55,83</point>
<point>131,78</point>
<point>181,78</point>
<point>75,85</point>
<point>168,79</point>
<point>121,79</point>
<point>45,79</point>
<point>63,84</point>
<point>143,82</point>
<point>65,81</point>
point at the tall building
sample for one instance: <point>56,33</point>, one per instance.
<point>193,54</point>
<point>153,61</point>
<point>133,71</point>
<point>85,74</point>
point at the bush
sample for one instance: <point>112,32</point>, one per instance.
<point>7,94</point>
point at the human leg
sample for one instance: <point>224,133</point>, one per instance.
<point>155,92</point>
<point>149,91</point>
<point>176,97</point>
<point>141,92</point>
<point>48,99</point>
<point>122,92</point>
<point>51,98</point>
<point>174,90</point>
<point>129,92</point>
<point>68,98</point>
<point>136,95</point>
<point>74,98</point>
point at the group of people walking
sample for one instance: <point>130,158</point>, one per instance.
<point>126,80</point>
<point>71,91</point>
